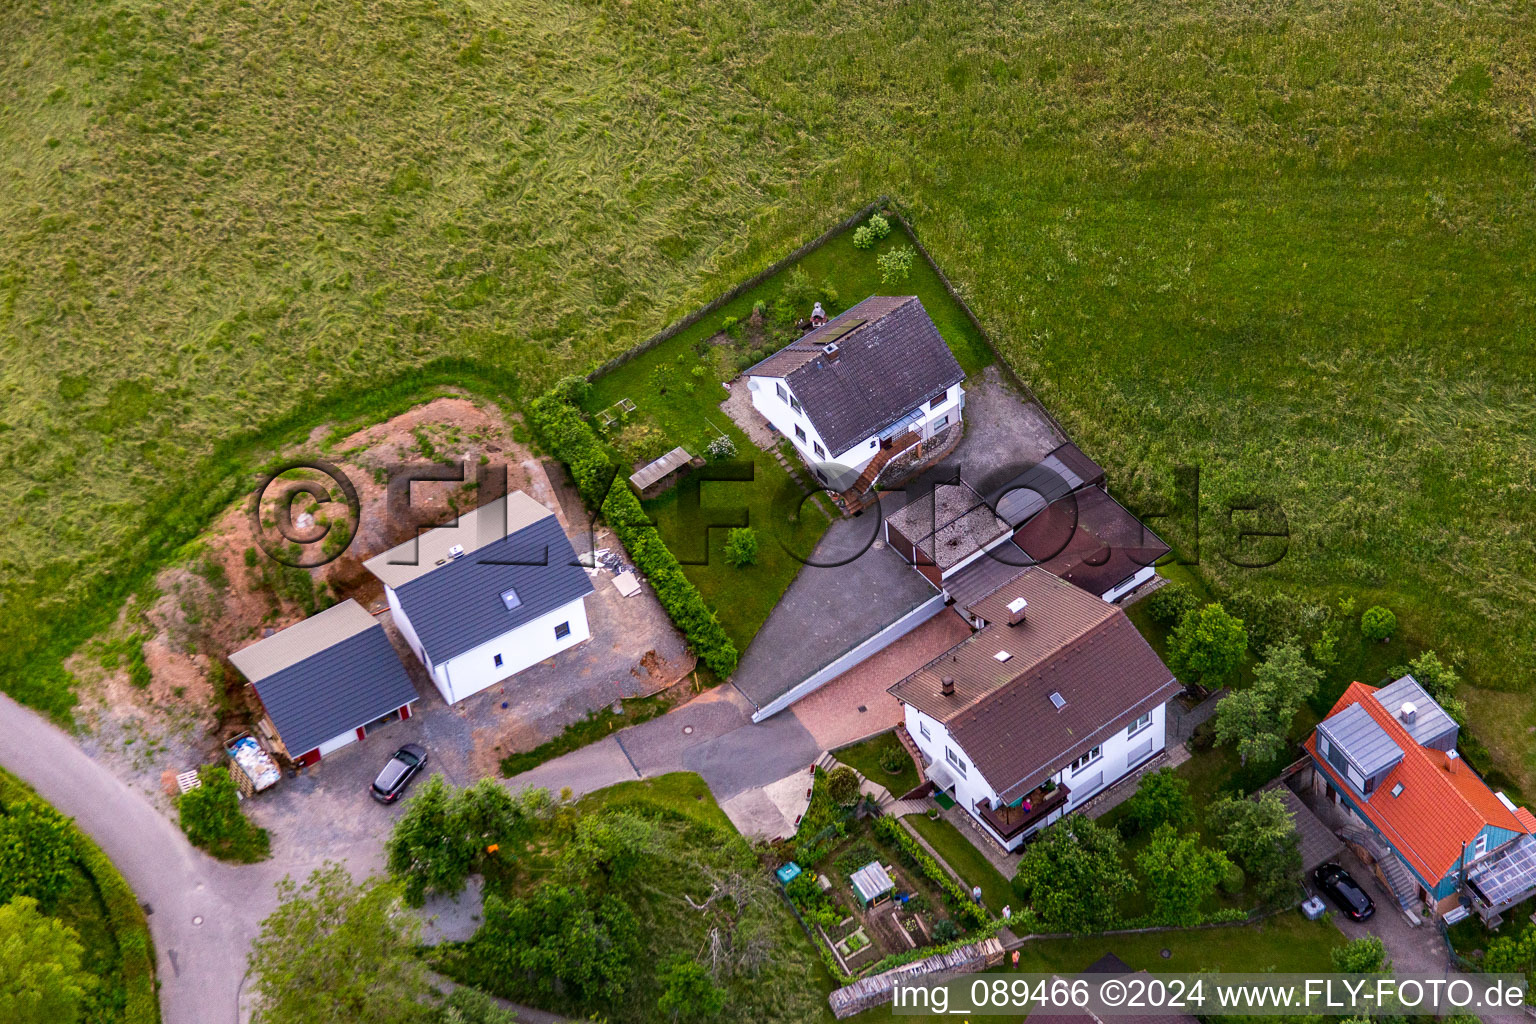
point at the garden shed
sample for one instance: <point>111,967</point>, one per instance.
<point>872,883</point>
<point>647,477</point>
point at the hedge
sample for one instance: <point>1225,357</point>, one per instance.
<point>573,441</point>
<point>960,901</point>
<point>125,917</point>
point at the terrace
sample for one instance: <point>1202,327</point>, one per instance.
<point>1009,820</point>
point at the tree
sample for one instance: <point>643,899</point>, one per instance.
<point>689,993</point>
<point>843,785</point>
<point>471,1006</point>
<point>1378,623</point>
<point>741,546</point>
<point>1180,874</point>
<point>1257,719</point>
<point>896,264</point>
<point>1261,836</point>
<point>1365,955</point>
<point>212,819</point>
<point>562,942</point>
<point>1074,877</point>
<point>334,952</point>
<point>608,845</point>
<point>445,834</point>
<point>1208,646</point>
<point>41,980</point>
<point>1161,797</point>
<point>35,848</point>
<point>1439,681</point>
<point>1171,602</point>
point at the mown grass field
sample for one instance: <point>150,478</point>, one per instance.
<point>1290,243</point>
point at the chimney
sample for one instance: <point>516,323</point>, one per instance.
<point>1016,610</point>
<point>830,350</point>
<point>1409,712</point>
<point>947,686</point>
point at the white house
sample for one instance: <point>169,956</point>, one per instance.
<point>1053,699</point>
<point>872,383</point>
<point>326,682</point>
<point>487,597</point>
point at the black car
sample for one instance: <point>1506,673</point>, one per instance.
<point>398,773</point>
<point>1344,891</point>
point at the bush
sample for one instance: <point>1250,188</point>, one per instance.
<point>1233,881</point>
<point>741,547</point>
<point>893,759</point>
<point>1207,647</point>
<point>807,896</point>
<point>880,226</point>
<point>572,440</point>
<point>863,237</point>
<point>896,265</point>
<point>843,786</point>
<point>1170,603</point>
<point>212,819</point>
<point>720,448</point>
<point>946,931</point>
<point>732,326</point>
<point>1161,798</point>
<point>572,390</point>
<point>1378,623</point>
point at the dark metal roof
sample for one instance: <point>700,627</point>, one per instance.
<point>1361,739</point>
<point>1431,723</point>
<point>1091,540</point>
<point>336,689</point>
<point>886,367</point>
<point>458,605</point>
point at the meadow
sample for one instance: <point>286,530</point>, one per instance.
<point>1291,244</point>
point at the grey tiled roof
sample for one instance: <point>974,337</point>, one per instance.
<point>887,366</point>
<point>458,605</point>
<point>346,680</point>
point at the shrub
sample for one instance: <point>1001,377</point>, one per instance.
<point>960,903</point>
<point>34,853</point>
<point>843,786</point>
<point>864,237</point>
<point>697,372</point>
<point>1233,881</point>
<point>946,931</point>
<point>720,448</point>
<point>1378,623</point>
<point>1161,798</point>
<point>572,440</point>
<point>807,896</point>
<point>1208,646</point>
<point>731,325</point>
<point>880,226</point>
<point>896,265</point>
<point>212,819</point>
<point>572,390</point>
<point>894,758</point>
<point>1170,603</point>
<point>741,546</point>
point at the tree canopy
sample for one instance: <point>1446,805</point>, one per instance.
<point>445,834</point>
<point>1180,875</point>
<point>35,848</point>
<point>1207,646</point>
<point>1074,877</point>
<point>1161,797</point>
<point>1261,836</point>
<point>564,940</point>
<point>41,979</point>
<point>1257,719</point>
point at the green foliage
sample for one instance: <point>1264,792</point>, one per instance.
<point>741,546</point>
<point>572,389</point>
<point>843,786</point>
<point>573,441</point>
<point>1161,798</point>
<point>445,833</point>
<point>720,448</point>
<point>1365,955</point>
<point>1207,647</point>
<point>1233,881</point>
<point>691,994</point>
<point>211,817</point>
<point>958,900</point>
<point>1180,875</point>
<point>562,940</point>
<point>863,237</point>
<point>35,853</point>
<point>1073,876</point>
<point>641,442</point>
<point>732,326</point>
<point>946,931</point>
<point>1257,719</point>
<point>823,823</point>
<point>1260,835</point>
<point>812,902</point>
<point>879,226</point>
<point>471,1006</point>
<point>1171,602</point>
<point>799,293</point>
<point>598,723</point>
<point>1378,623</point>
<point>896,264</point>
<point>42,980</point>
<point>1439,681</point>
<point>334,952</point>
<point>611,846</point>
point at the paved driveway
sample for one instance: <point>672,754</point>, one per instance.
<point>1002,429</point>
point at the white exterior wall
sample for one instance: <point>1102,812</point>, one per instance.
<point>406,629</point>
<point>1116,593</point>
<point>766,400</point>
<point>1119,754</point>
<point>466,674</point>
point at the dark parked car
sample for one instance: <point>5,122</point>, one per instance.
<point>1344,891</point>
<point>398,773</point>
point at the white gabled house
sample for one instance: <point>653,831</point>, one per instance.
<point>487,597</point>
<point>871,384</point>
<point>1053,699</point>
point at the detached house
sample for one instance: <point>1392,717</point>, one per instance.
<point>487,597</point>
<point>1439,836</point>
<point>871,385</point>
<point>1054,698</point>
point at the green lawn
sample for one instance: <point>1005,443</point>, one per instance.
<point>866,758</point>
<point>1285,244</point>
<point>967,861</point>
<point>668,395</point>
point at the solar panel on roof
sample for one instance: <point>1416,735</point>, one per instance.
<point>832,333</point>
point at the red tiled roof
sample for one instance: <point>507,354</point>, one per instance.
<point>1443,804</point>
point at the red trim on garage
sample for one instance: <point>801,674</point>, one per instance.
<point>305,760</point>
<point>405,712</point>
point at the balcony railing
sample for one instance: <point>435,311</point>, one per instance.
<point>1010,821</point>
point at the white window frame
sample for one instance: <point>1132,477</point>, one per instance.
<point>922,730</point>
<point>1096,754</point>
<point>795,405</point>
<point>1322,745</point>
<point>783,393</point>
<point>821,452</point>
<point>800,432</point>
<point>1138,725</point>
<point>1480,846</point>
<point>955,761</point>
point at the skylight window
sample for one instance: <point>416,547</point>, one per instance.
<point>1002,656</point>
<point>1058,700</point>
<point>510,599</point>
<point>1397,790</point>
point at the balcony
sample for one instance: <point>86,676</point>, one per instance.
<point>1008,822</point>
